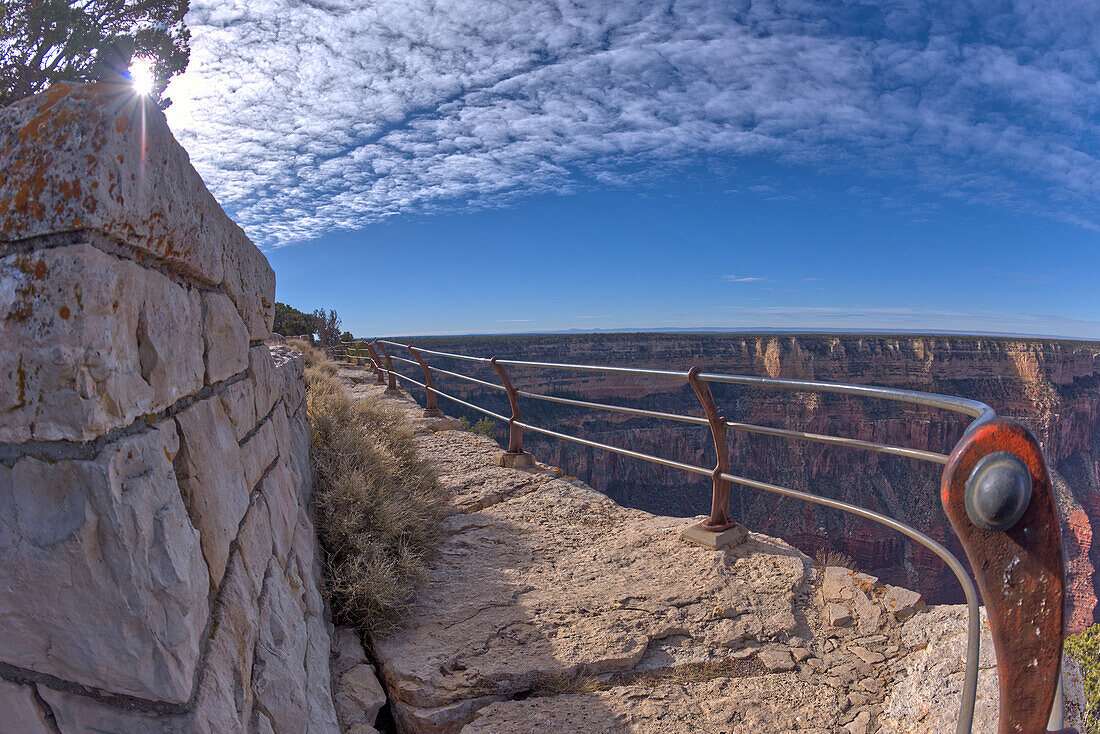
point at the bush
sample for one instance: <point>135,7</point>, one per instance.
<point>484,427</point>
<point>378,505</point>
<point>1085,648</point>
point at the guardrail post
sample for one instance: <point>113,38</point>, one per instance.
<point>515,457</point>
<point>431,410</point>
<point>376,361</point>
<point>997,494</point>
<point>719,519</point>
<point>391,388</point>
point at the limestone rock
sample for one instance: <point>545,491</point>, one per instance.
<point>776,660</point>
<point>239,401</point>
<point>902,603</point>
<point>91,342</point>
<point>839,583</point>
<point>347,651</point>
<point>73,160</point>
<point>768,703</point>
<point>266,380</point>
<point>225,337</point>
<point>838,614</point>
<point>212,480</point>
<point>111,581</point>
<point>258,452</point>
<point>925,697</point>
<point>470,472</point>
<point>562,579</point>
<point>359,696</point>
<point>279,680</point>
<point>21,713</point>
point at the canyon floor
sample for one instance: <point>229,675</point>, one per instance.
<point>551,608</point>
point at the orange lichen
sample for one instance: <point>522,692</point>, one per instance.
<point>121,124</point>
<point>64,312</point>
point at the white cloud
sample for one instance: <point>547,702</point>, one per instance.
<point>743,279</point>
<point>307,117</point>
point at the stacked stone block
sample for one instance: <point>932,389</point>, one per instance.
<point>160,568</point>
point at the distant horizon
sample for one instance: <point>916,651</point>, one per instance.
<point>754,332</point>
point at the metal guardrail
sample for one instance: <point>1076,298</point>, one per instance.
<point>995,490</point>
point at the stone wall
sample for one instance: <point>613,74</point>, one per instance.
<point>159,566</point>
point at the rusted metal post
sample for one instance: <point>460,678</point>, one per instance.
<point>515,456</point>
<point>377,361</point>
<point>997,494</point>
<point>391,388</point>
<point>431,410</point>
<point>719,519</point>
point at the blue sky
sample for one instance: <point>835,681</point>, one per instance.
<point>449,167</point>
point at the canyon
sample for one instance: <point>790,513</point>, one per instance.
<point>1052,386</point>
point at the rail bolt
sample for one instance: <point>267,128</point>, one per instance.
<point>998,491</point>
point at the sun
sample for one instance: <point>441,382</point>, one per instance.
<point>141,75</point>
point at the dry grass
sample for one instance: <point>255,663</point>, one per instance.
<point>378,505</point>
<point>824,558</point>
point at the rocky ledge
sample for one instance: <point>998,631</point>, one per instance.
<point>550,608</point>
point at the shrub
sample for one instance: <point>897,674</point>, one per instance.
<point>484,427</point>
<point>378,505</point>
<point>1085,648</point>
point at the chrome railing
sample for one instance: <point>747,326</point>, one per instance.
<point>984,430</point>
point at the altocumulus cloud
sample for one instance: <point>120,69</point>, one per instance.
<point>310,116</point>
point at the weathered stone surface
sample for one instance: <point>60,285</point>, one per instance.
<point>902,603</point>
<point>281,496</point>
<point>839,583</point>
<point>292,436</point>
<point>359,696</point>
<point>561,579</point>
<point>926,695</point>
<point>74,159</point>
<point>212,480</point>
<point>838,614</point>
<point>239,402</point>
<point>288,364</point>
<point>103,582</point>
<point>472,483</point>
<point>777,660</point>
<point>279,679</point>
<point>91,343</point>
<point>767,703</point>
<point>266,380</point>
<point>347,651</point>
<point>225,337</point>
<point>19,712</point>
<point>258,452</point>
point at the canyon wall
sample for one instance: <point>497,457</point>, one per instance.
<point>1052,386</point>
<point>160,569</point>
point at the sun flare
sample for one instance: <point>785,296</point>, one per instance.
<point>141,75</point>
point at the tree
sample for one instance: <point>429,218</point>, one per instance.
<point>347,336</point>
<point>327,327</point>
<point>47,41</point>
<point>289,321</point>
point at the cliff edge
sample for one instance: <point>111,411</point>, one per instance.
<point>551,608</point>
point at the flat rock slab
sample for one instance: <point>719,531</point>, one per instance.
<point>767,703</point>
<point>559,581</point>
